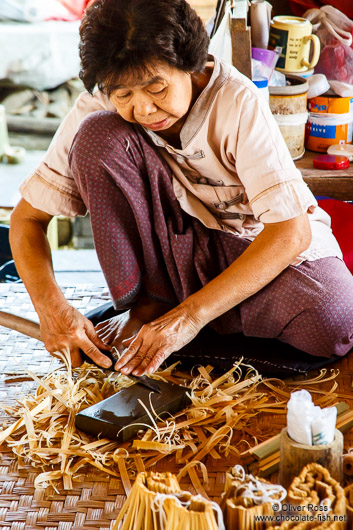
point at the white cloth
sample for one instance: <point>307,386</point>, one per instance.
<point>41,55</point>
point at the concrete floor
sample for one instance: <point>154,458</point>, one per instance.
<point>74,267</point>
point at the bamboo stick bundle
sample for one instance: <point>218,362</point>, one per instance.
<point>137,512</point>
<point>187,512</point>
<point>246,498</point>
<point>314,487</point>
<point>349,504</point>
<point>157,503</point>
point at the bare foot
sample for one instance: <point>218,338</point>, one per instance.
<point>126,325</point>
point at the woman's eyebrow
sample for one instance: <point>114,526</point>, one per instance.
<point>156,79</point>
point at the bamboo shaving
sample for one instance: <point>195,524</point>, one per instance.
<point>216,424</point>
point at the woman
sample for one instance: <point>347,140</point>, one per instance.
<point>198,213</point>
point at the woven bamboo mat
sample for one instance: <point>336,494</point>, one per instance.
<point>96,498</point>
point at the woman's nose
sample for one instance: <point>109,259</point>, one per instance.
<point>144,107</point>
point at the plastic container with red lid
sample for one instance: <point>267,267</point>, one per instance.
<point>331,162</point>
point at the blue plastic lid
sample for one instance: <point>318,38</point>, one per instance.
<point>260,82</point>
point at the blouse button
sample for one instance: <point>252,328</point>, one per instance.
<point>180,159</point>
<point>221,205</point>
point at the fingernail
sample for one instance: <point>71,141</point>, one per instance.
<point>107,363</point>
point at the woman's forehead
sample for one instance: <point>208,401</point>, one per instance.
<point>142,76</point>
<point>140,82</point>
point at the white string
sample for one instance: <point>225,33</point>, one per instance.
<point>239,471</point>
<point>157,506</point>
<point>327,502</point>
<point>264,492</point>
<point>219,514</point>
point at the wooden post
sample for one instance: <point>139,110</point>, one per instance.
<point>294,456</point>
<point>241,37</point>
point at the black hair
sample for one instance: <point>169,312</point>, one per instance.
<point>124,37</point>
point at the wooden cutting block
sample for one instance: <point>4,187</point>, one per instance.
<point>120,416</point>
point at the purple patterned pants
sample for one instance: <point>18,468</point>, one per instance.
<point>146,243</point>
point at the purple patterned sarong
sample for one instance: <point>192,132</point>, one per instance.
<point>146,243</point>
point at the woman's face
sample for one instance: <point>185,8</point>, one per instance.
<point>158,101</point>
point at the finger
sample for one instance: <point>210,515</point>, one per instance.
<point>136,364</point>
<point>75,356</point>
<point>128,354</point>
<point>97,341</point>
<point>142,358</point>
<point>151,363</point>
<point>126,342</point>
<point>76,359</point>
<point>156,362</point>
<point>123,345</point>
<point>89,348</point>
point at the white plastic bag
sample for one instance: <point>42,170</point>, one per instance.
<point>221,42</point>
<point>323,426</point>
<point>300,414</point>
<point>307,423</point>
<point>344,90</point>
<point>334,30</point>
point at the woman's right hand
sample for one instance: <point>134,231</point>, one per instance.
<point>64,326</point>
<point>61,325</point>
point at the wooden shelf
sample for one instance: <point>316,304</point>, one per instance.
<point>337,184</point>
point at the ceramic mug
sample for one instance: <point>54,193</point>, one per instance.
<point>294,36</point>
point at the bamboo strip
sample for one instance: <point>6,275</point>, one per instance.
<point>215,425</point>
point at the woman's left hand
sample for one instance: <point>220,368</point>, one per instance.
<point>157,340</point>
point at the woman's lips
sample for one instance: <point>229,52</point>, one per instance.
<point>156,125</point>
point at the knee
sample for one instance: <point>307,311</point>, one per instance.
<point>95,136</point>
<point>332,328</point>
<point>101,121</point>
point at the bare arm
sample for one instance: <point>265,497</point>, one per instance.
<point>62,326</point>
<point>265,258</point>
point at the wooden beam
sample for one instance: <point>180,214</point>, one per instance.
<point>241,37</point>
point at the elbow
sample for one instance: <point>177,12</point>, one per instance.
<point>15,224</point>
<point>27,221</point>
<point>303,235</point>
<point>17,221</point>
